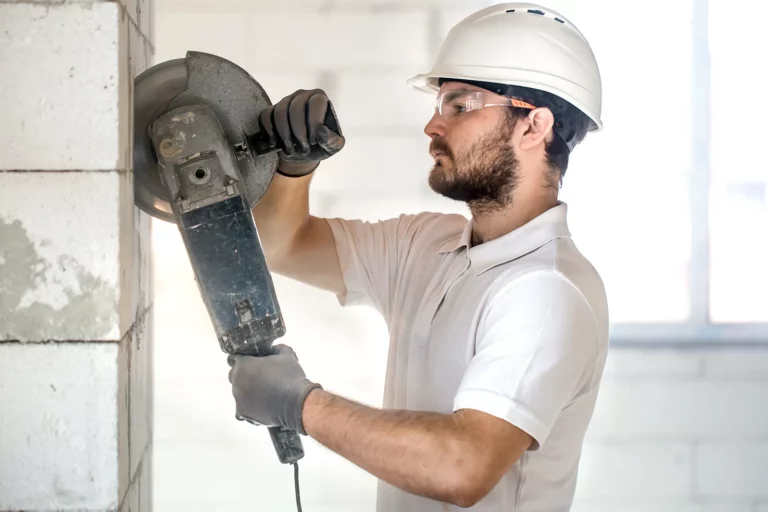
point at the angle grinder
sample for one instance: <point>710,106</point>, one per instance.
<point>201,162</point>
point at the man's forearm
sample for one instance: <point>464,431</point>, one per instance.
<point>422,453</point>
<point>281,213</point>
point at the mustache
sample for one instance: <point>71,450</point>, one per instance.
<point>441,146</point>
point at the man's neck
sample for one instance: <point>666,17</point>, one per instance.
<point>492,223</point>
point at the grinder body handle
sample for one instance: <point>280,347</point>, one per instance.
<point>213,214</point>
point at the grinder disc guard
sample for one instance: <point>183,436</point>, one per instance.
<point>199,79</point>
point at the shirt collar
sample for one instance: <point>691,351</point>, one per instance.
<point>541,230</point>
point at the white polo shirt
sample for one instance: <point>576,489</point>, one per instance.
<point>516,327</point>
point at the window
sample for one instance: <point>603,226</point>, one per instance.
<point>739,203</point>
<point>670,202</point>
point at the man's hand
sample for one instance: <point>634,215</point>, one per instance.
<point>270,390</point>
<point>304,126</point>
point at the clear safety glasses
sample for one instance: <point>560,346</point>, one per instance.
<point>452,104</point>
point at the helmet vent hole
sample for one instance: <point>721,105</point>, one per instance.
<point>535,11</point>
<point>558,19</point>
<point>511,10</point>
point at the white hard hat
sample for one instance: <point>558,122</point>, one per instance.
<point>525,45</point>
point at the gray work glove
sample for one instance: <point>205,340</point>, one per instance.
<point>270,390</point>
<point>305,128</point>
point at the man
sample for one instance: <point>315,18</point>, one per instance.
<point>498,325</point>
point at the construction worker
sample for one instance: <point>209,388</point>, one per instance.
<point>498,324</point>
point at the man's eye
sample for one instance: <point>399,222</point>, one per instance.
<point>459,108</point>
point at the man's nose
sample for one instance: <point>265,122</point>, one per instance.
<point>435,127</point>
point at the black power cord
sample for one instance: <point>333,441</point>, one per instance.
<point>296,482</point>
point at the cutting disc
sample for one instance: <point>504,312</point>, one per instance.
<point>199,78</point>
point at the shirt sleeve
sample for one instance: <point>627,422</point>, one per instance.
<point>372,256</point>
<point>536,349</point>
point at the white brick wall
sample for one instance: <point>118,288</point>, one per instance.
<point>678,430</point>
<point>738,364</point>
<point>645,365</point>
<point>70,120</point>
<point>717,463</point>
<point>666,506</point>
<point>73,241</point>
<point>674,430</point>
<point>55,450</point>
<point>617,470</point>
<point>675,408</point>
<point>75,290</point>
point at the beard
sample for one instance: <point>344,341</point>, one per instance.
<point>484,175</point>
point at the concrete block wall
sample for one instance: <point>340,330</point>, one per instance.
<point>75,286</point>
<point>679,430</point>
<point>674,431</point>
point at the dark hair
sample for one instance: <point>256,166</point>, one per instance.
<point>571,124</point>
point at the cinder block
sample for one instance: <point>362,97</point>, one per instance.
<point>132,9</point>
<point>732,469</point>
<point>146,13</point>
<point>58,426</point>
<point>135,376</point>
<point>134,495</point>
<point>378,165</point>
<point>123,424</point>
<point>61,254</point>
<point>140,393</point>
<point>125,90</point>
<point>145,491</point>
<point>140,52</point>
<point>135,250</point>
<point>140,12</point>
<point>135,402</point>
<point>737,364</point>
<point>143,255</point>
<point>139,498</point>
<point>375,100</point>
<point>60,86</point>
<point>680,409</point>
<point>635,470</point>
<point>338,40</point>
<point>651,364</point>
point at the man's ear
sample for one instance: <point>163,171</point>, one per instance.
<point>539,123</point>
